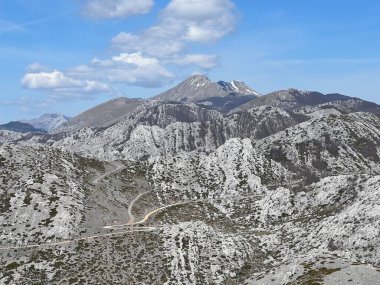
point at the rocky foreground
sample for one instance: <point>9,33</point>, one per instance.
<point>181,193</point>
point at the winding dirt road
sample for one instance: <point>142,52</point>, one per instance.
<point>147,216</point>
<point>131,221</point>
<point>130,214</point>
<point>118,166</point>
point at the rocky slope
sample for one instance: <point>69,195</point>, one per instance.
<point>44,201</point>
<point>291,231</point>
<point>168,128</point>
<point>328,145</point>
<point>229,224</point>
<point>286,192</point>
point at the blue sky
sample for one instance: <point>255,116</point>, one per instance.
<point>67,56</point>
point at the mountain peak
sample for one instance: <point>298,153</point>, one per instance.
<point>47,122</point>
<point>199,88</point>
<point>298,91</point>
<point>197,81</point>
<point>198,78</point>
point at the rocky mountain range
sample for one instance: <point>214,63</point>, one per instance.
<point>47,122</point>
<point>297,100</point>
<point>207,183</point>
<point>20,127</point>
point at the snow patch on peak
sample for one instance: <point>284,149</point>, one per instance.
<point>199,87</point>
<point>234,86</point>
<point>238,87</point>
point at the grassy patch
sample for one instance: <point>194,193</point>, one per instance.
<point>12,266</point>
<point>315,276</point>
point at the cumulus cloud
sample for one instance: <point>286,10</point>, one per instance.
<point>145,58</point>
<point>155,41</point>
<point>116,8</point>
<point>129,68</point>
<point>203,20</point>
<point>58,83</point>
<point>95,77</point>
<point>198,10</point>
<point>181,23</point>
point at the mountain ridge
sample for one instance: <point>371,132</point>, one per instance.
<point>100,116</point>
<point>200,87</point>
<point>16,126</point>
<point>47,122</point>
<point>294,100</point>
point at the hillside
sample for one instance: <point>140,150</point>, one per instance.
<point>101,116</point>
<point>282,190</point>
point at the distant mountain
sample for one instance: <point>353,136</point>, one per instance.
<point>20,128</point>
<point>294,100</point>
<point>47,122</point>
<point>101,116</point>
<point>221,96</point>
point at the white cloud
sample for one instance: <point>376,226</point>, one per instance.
<point>57,82</point>
<point>145,58</point>
<point>135,59</point>
<point>181,23</point>
<point>129,68</point>
<point>198,10</point>
<point>202,60</point>
<point>117,8</point>
<point>203,20</point>
<point>85,80</point>
<point>156,41</point>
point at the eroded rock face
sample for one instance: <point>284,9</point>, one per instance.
<point>233,170</point>
<point>328,145</point>
<point>262,196</point>
<point>166,129</point>
<point>42,195</point>
<point>199,254</point>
